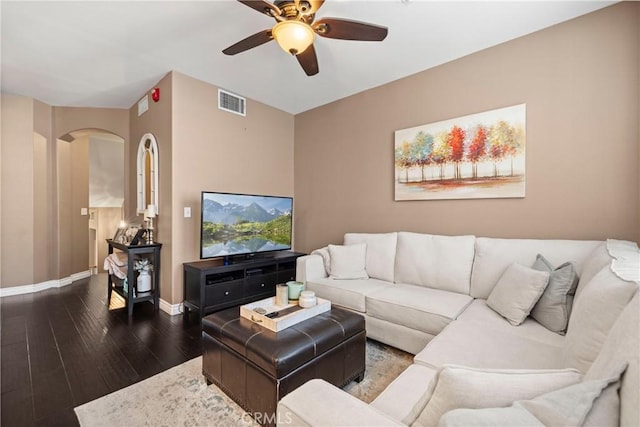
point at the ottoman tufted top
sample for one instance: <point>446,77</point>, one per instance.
<point>279,353</point>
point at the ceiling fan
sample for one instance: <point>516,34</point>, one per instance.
<point>296,27</point>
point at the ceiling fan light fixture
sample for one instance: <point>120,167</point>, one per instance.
<point>293,36</point>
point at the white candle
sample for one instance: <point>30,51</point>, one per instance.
<point>151,211</point>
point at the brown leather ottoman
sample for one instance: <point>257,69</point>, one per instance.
<point>256,367</point>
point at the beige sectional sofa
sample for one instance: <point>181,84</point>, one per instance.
<point>451,301</point>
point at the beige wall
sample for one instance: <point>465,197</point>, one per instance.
<point>203,148</point>
<point>157,121</point>
<point>580,81</point>
<point>44,237</point>
<point>113,120</point>
<point>79,224</point>
<point>72,176</point>
<point>17,191</point>
<point>46,260</point>
<point>64,209</point>
<point>68,119</point>
<point>214,150</point>
<point>41,250</point>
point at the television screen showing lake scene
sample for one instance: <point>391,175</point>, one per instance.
<point>235,224</point>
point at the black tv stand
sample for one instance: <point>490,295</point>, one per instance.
<point>213,285</point>
<point>230,259</point>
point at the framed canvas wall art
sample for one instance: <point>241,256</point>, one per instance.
<point>472,157</point>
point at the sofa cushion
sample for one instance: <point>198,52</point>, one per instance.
<point>594,313</point>
<point>405,398</point>
<point>417,307</point>
<point>517,291</point>
<point>303,407</point>
<point>623,346</point>
<point>462,387</point>
<point>346,293</point>
<point>554,306</point>
<point>348,262</point>
<point>438,262</point>
<point>596,261</point>
<point>381,253</point>
<point>589,403</point>
<point>490,417</point>
<point>482,338</point>
<point>493,256</point>
<point>479,313</point>
<point>406,339</point>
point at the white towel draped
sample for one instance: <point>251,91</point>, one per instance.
<point>116,264</point>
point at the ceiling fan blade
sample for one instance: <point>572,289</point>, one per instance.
<point>309,61</point>
<point>345,29</point>
<point>262,6</point>
<point>250,42</point>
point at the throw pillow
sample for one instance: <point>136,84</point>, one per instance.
<point>381,253</point>
<point>463,387</point>
<point>554,306</point>
<point>348,262</point>
<point>594,312</point>
<point>574,405</point>
<point>517,291</point>
<point>596,261</point>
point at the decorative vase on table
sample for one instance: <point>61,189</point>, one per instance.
<point>144,281</point>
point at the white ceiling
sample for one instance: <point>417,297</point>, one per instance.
<point>109,53</point>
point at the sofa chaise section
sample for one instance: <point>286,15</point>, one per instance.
<point>405,399</point>
<point>480,338</point>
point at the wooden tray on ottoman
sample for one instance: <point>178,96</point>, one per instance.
<point>296,314</point>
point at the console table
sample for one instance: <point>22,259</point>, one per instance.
<point>212,286</point>
<point>131,297</point>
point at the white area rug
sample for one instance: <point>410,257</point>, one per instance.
<point>180,395</point>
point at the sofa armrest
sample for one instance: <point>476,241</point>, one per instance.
<point>318,403</point>
<point>310,267</point>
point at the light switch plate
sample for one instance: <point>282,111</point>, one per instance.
<point>187,212</point>
<point>84,211</point>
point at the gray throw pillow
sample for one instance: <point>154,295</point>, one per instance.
<point>554,306</point>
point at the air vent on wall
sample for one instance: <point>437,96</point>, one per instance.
<point>232,103</point>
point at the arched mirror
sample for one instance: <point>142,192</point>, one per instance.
<point>147,167</point>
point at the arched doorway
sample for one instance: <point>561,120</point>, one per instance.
<point>91,186</point>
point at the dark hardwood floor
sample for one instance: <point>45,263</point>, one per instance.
<point>65,347</point>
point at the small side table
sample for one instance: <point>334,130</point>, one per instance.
<point>132,251</point>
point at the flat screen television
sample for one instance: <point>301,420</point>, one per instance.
<point>236,224</point>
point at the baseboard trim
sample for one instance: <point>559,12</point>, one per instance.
<point>37,287</point>
<point>171,309</point>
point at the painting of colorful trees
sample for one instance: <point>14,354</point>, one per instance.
<point>477,156</point>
